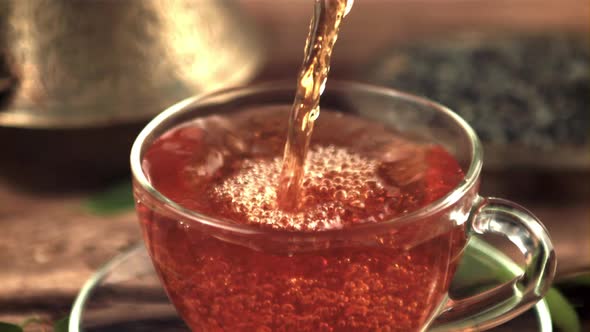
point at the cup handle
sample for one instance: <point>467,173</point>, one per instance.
<point>506,301</point>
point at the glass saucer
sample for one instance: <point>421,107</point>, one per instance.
<point>125,294</point>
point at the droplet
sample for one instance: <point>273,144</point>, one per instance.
<point>368,194</point>
<point>340,195</point>
<point>357,204</point>
<point>309,200</point>
<point>353,194</point>
<point>314,114</point>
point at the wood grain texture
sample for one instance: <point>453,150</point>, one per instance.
<point>50,245</point>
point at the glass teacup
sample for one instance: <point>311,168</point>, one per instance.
<point>389,276</point>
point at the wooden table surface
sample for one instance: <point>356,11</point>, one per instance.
<point>50,245</point>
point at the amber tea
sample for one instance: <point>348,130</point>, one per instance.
<point>226,167</point>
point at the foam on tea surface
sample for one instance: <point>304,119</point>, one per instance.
<point>356,172</point>
<point>336,184</point>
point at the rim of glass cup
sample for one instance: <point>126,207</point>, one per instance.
<point>186,105</point>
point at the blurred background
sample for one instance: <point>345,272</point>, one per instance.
<point>79,79</point>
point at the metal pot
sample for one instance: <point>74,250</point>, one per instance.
<point>77,63</point>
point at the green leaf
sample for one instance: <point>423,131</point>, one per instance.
<point>61,325</point>
<point>115,199</point>
<point>483,264</point>
<point>579,280</point>
<point>30,320</point>
<point>7,327</point>
<point>563,314</point>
